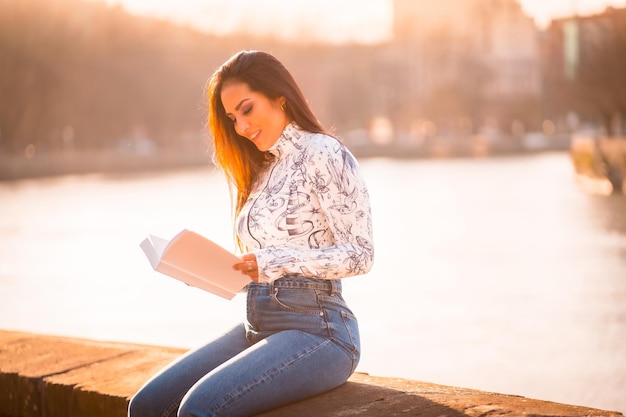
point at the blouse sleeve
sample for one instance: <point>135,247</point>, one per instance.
<point>333,177</point>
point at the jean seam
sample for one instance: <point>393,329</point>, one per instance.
<point>354,352</point>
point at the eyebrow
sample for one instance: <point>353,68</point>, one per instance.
<point>238,106</point>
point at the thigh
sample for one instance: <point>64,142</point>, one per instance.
<point>161,395</point>
<point>285,367</point>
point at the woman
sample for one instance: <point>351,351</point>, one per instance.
<point>303,222</point>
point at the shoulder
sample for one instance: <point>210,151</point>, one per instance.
<point>325,150</point>
<point>322,143</point>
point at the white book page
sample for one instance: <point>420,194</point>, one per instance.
<point>196,260</point>
<point>159,245</point>
<point>150,252</point>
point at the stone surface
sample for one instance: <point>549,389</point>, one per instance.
<point>59,377</point>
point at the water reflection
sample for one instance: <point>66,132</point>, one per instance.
<point>499,274</point>
<point>611,212</point>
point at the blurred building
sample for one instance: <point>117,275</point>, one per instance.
<point>488,51</point>
<point>584,67</point>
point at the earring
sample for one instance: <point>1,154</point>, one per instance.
<point>283,107</point>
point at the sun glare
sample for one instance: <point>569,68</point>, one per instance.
<point>330,20</point>
<point>343,20</point>
<point>543,11</point>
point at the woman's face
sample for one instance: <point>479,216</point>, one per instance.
<point>255,116</point>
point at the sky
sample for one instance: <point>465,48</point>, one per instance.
<point>334,20</point>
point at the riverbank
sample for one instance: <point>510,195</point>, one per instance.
<point>103,161</point>
<point>34,163</point>
<point>55,376</point>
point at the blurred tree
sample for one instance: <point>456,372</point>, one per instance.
<point>29,78</point>
<point>99,71</point>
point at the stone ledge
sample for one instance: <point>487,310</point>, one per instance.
<point>59,377</point>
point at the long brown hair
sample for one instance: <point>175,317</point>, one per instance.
<point>239,158</point>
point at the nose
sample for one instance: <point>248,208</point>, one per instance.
<point>242,126</point>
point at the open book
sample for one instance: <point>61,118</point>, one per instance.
<point>196,261</point>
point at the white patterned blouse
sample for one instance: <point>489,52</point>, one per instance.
<point>309,213</point>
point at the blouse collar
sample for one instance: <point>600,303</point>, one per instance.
<point>289,139</point>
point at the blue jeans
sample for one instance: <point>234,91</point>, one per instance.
<point>300,339</point>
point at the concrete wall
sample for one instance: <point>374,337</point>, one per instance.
<point>62,377</point>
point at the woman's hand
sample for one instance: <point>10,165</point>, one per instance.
<point>248,266</point>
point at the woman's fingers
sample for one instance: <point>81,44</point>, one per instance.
<point>248,266</point>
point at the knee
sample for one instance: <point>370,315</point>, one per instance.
<point>188,410</point>
<point>142,404</point>
<point>135,407</point>
<point>191,408</point>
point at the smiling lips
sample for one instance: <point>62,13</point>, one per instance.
<point>254,135</point>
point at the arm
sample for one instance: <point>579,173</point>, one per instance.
<point>345,247</point>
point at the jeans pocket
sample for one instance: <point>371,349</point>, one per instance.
<point>297,300</point>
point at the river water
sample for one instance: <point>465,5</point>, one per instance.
<point>496,274</point>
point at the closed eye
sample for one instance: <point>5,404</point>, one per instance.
<point>246,110</point>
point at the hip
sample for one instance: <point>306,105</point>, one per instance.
<point>311,305</point>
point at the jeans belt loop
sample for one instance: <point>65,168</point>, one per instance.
<point>333,287</point>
